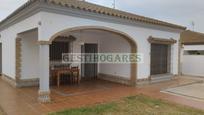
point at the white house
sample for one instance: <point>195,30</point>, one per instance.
<point>29,34</point>
<point>192,57</point>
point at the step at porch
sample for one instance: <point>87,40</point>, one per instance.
<point>161,78</point>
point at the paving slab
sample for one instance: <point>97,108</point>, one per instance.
<point>195,91</point>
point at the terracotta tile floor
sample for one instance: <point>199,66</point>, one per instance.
<point>24,101</point>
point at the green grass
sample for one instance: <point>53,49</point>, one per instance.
<point>134,105</point>
<point>96,110</point>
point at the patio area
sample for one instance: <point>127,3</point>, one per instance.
<point>24,101</point>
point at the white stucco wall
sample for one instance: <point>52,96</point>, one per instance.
<point>107,43</point>
<point>30,55</point>
<point>118,45</point>
<point>193,64</point>
<point>53,23</point>
<point>8,36</point>
<point>193,47</point>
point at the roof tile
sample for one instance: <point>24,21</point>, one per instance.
<point>191,37</point>
<point>85,6</point>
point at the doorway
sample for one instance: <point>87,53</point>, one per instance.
<point>89,70</point>
<point>160,59</point>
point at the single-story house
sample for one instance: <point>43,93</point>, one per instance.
<point>35,36</point>
<point>192,57</point>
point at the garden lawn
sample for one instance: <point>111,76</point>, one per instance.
<point>134,105</point>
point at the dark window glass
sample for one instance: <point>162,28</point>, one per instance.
<point>194,52</point>
<point>57,49</point>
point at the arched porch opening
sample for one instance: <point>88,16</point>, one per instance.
<point>84,40</point>
<point>101,36</point>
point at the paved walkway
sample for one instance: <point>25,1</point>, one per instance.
<point>24,101</point>
<point>193,91</point>
<point>155,91</point>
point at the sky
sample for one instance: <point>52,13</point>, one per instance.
<point>182,12</point>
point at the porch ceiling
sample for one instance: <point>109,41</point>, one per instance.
<point>32,32</point>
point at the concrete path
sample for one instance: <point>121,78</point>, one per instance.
<point>194,91</point>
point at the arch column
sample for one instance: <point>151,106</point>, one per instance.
<point>44,89</point>
<point>133,77</point>
<point>18,58</point>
